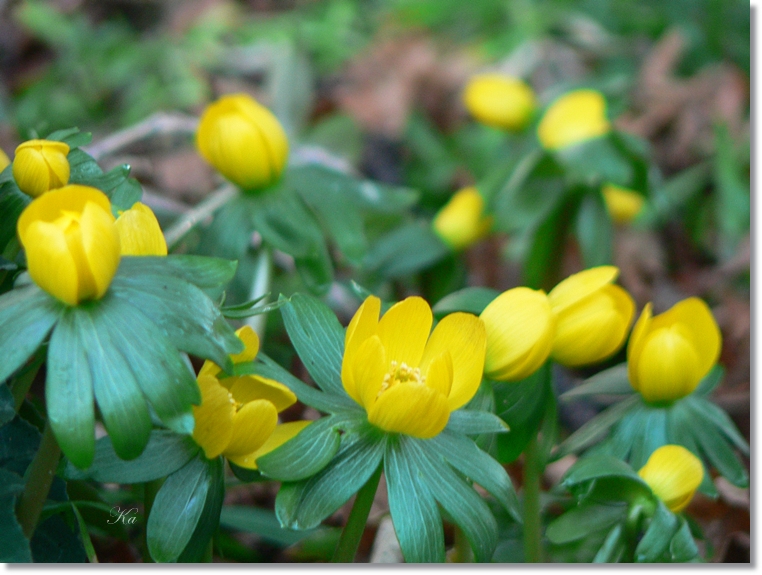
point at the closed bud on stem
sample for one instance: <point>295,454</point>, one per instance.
<point>622,204</point>
<point>461,222</point>
<point>572,119</point>
<point>140,233</point>
<point>4,161</point>
<point>673,473</point>
<point>41,165</point>
<point>500,101</point>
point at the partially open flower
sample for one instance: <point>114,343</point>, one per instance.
<point>673,473</point>
<point>140,233</point>
<point>669,354</point>
<point>520,328</point>
<point>407,380</point>
<point>573,118</point>
<point>243,140</point>
<point>593,316</point>
<point>71,243</point>
<point>622,204</point>
<point>461,222</point>
<point>41,165</point>
<point>238,415</point>
<point>500,101</point>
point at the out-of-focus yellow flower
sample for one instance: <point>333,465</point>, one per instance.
<point>140,233</point>
<point>500,101</point>
<point>592,316</point>
<point>71,243</point>
<point>243,140</point>
<point>622,204</point>
<point>572,119</point>
<point>238,416</point>
<point>4,161</point>
<point>41,165</point>
<point>520,329</point>
<point>461,222</point>
<point>407,380</point>
<point>673,473</point>
<point>669,354</point>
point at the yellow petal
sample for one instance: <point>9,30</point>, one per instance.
<point>412,409</point>
<point>668,366</point>
<point>51,264</point>
<point>363,325</point>
<point>404,329</point>
<point>4,160</point>
<point>281,435</point>
<point>622,204</point>
<point>140,233</point>
<point>214,417</point>
<point>247,388</point>
<point>368,371</point>
<point>500,101</point>
<point>41,165</point>
<point>100,240</point>
<point>252,425</point>
<point>635,346</point>
<point>580,285</point>
<point>461,222</point>
<point>573,118</point>
<point>209,368</point>
<point>439,374</point>
<point>674,474</point>
<point>464,336</point>
<point>250,341</point>
<point>58,164</point>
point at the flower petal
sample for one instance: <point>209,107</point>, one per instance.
<point>51,264</point>
<point>404,329</point>
<point>140,233</point>
<point>439,373</point>
<point>412,409</point>
<point>636,343</point>
<point>368,371</point>
<point>573,118</point>
<point>247,388</point>
<point>252,426</point>
<point>214,417</point>
<point>279,436</point>
<point>250,341</point>
<point>100,240</point>
<point>673,473</point>
<point>363,325</point>
<point>668,365</point>
<point>580,285</point>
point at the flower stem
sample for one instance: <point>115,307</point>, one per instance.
<point>358,517</point>
<point>204,209</point>
<point>260,285</point>
<point>39,478</point>
<point>532,525</point>
<point>150,489</point>
<point>24,381</point>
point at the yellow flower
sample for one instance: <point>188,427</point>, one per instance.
<point>520,328</point>
<point>461,222</point>
<point>238,416</point>
<point>669,354</point>
<point>140,233</point>
<point>572,119</point>
<point>622,204</point>
<point>500,101</point>
<point>243,140</point>
<point>71,243</point>
<point>673,473</point>
<point>4,161</point>
<point>407,381</point>
<point>41,165</point>
<point>592,316</point>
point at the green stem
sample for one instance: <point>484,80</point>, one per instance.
<point>39,478</point>
<point>532,526</point>
<point>260,285</point>
<point>209,552</point>
<point>24,381</point>
<point>463,552</point>
<point>150,489</point>
<point>203,210</point>
<point>358,517</point>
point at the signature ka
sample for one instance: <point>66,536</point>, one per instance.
<point>125,516</point>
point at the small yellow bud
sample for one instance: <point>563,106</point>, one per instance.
<point>41,165</point>
<point>461,222</point>
<point>243,140</point>
<point>71,243</point>
<point>673,473</point>
<point>500,101</point>
<point>140,233</point>
<point>4,161</point>
<point>520,330</point>
<point>622,204</point>
<point>592,316</point>
<point>573,118</point>
<point>669,354</point>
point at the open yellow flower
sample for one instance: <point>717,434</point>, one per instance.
<point>622,204</point>
<point>500,101</point>
<point>71,243</point>
<point>238,415</point>
<point>407,380</point>
<point>41,165</point>
<point>4,160</point>
<point>140,233</point>
<point>573,118</point>
<point>243,140</point>
<point>593,316</point>
<point>669,354</point>
<point>673,473</point>
<point>461,222</point>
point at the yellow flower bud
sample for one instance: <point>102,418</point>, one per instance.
<point>520,329</point>
<point>669,354</point>
<point>41,165</point>
<point>673,473</point>
<point>243,140</point>
<point>461,222</point>
<point>572,119</point>
<point>500,101</point>
<point>140,233</point>
<point>592,316</point>
<point>622,204</point>
<point>71,243</point>
<point>4,161</point>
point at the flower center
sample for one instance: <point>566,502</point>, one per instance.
<point>401,373</point>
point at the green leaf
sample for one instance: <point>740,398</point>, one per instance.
<point>414,511</point>
<point>470,422</point>
<point>201,271</point>
<point>678,190</point>
<point>71,136</point>
<point>471,300</point>
<point>304,504</point>
<point>679,431</point>
<point>714,416</point>
<point>581,521</point>
<point>655,542</point>
<point>210,516</point>
<point>262,522</point>
<point>733,204</point>
<point>613,547</point>
<point>682,548</point>
<point>14,547</point>
<point>594,230</point>
<point>627,433</point>
<point>229,234</point>
<point>541,264</point>
<point>596,161</point>
<point>599,466</point>
<point>165,453</point>
<point>12,203</point>
<point>611,381</point>
<point>26,317</point>
<point>177,509</point>
<point>318,338</point>
<point>305,454</point>
<point>7,405</point>
<point>55,542</point>
<point>391,255</point>
<point>710,382</point>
